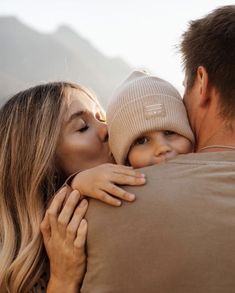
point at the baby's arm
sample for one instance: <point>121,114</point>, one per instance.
<point>101,183</point>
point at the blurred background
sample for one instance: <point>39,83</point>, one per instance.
<point>93,42</point>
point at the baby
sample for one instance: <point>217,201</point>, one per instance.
<point>147,124</point>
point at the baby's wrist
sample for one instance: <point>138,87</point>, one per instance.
<point>76,183</point>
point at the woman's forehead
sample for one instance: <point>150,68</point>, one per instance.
<point>79,101</point>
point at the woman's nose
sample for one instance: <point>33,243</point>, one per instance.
<point>102,131</point>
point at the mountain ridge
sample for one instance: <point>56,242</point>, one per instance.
<point>29,57</point>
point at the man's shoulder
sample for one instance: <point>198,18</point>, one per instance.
<point>186,178</point>
<point>173,166</point>
<point>191,160</point>
<point>186,201</point>
<point>184,174</point>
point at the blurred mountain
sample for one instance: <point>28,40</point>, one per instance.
<point>28,57</point>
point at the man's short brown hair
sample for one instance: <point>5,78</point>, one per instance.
<point>210,42</point>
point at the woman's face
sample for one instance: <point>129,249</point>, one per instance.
<point>83,141</point>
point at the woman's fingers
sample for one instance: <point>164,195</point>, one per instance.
<point>74,224</point>
<point>58,199</point>
<point>68,210</point>
<point>49,221</point>
<point>45,228</point>
<point>80,240</point>
<point>55,207</point>
<point>64,235</point>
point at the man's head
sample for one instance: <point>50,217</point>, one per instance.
<point>208,49</point>
<point>210,42</point>
<point>141,105</point>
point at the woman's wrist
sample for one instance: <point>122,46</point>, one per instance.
<point>56,285</point>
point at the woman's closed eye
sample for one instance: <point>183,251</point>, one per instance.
<point>84,128</point>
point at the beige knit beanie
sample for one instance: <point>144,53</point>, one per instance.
<point>144,103</point>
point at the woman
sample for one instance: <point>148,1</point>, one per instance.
<point>47,133</point>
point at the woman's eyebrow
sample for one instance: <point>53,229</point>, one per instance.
<point>75,116</point>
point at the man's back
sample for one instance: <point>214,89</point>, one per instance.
<point>179,235</point>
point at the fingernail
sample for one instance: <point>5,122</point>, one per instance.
<point>131,196</point>
<point>83,222</point>
<point>83,203</point>
<point>140,175</point>
<point>62,190</point>
<point>76,192</point>
<point>118,202</point>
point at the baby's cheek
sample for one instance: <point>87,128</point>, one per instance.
<point>130,159</point>
<point>185,146</point>
<point>134,159</point>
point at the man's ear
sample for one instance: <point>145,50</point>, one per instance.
<point>202,79</point>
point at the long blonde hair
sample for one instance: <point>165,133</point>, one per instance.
<point>30,124</point>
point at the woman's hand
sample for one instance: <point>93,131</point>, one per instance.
<point>100,183</point>
<point>64,233</point>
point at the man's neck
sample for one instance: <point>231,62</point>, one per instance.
<point>219,136</point>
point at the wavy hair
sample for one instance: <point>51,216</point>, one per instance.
<point>30,124</point>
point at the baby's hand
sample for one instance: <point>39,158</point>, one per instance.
<point>100,183</point>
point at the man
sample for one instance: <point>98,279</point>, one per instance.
<point>179,235</point>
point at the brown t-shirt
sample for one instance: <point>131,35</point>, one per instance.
<point>177,237</point>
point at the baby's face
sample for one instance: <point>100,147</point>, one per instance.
<point>157,147</point>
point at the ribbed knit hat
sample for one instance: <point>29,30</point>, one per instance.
<point>144,103</point>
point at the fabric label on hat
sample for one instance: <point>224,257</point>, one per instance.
<point>154,110</point>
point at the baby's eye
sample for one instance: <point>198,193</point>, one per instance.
<point>169,132</point>
<point>141,140</point>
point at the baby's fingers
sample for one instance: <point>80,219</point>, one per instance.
<point>127,179</point>
<point>127,170</point>
<point>105,197</point>
<point>119,192</point>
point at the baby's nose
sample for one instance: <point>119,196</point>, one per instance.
<point>161,149</point>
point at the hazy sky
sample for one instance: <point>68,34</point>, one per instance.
<point>144,33</point>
